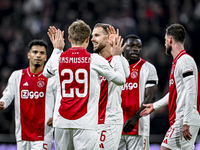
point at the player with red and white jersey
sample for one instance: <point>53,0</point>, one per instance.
<point>183,96</point>
<point>110,121</point>
<point>78,81</point>
<point>34,97</point>
<point>140,87</point>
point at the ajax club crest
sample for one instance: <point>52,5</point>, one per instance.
<point>134,74</point>
<point>40,84</point>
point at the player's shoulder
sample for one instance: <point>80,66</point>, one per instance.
<point>96,58</point>
<point>17,72</point>
<point>149,65</point>
<point>186,59</point>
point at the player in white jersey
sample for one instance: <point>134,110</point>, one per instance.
<point>110,120</point>
<point>78,81</point>
<point>183,96</point>
<point>34,97</point>
<point>139,88</point>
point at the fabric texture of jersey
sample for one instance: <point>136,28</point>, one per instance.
<point>141,75</point>
<point>178,103</point>
<point>89,78</point>
<point>110,111</point>
<point>34,97</point>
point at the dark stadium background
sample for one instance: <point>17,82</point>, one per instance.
<point>24,20</point>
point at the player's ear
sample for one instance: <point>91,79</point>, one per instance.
<point>170,39</point>
<point>28,55</point>
<point>69,39</point>
<point>87,40</point>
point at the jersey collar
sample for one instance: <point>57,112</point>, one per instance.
<point>33,74</point>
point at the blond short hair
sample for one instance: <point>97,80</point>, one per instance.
<point>79,31</point>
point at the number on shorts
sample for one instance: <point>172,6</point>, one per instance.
<point>78,80</point>
<point>145,142</point>
<point>45,146</point>
<point>103,136</point>
<point>170,132</point>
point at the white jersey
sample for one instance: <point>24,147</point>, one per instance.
<point>78,82</point>
<point>142,75</point>
<point>34,97</point>
<point>183,96</point>
<point>110,111</point>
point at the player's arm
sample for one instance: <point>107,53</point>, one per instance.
<point>190,100</point>
<point>116,52</point>
<point>155,106</point>
<point>126,66</point>
<point>58,44</point>
<point>150,95</point>
<point>187,67</point>
<point>8,93</point>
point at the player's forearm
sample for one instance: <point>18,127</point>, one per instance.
<point>162,102</point>
<point>126,66</point>
<point>120,77</point>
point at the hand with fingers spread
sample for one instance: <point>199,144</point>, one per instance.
<point>56,37</point>
<point>117,47</point>
<point>186,132</point>
<point>149,108</point>
<point>2,106</point>
<point>112,34</point>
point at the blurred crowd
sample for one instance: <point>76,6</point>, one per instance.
<point>24,20</point>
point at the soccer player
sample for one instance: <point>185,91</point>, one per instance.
<point>140,87</point>
<point>78,81</point>
<point>110,121</point>
<point>34,97</point>
<point>183,96</point>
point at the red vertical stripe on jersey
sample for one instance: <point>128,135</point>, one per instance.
<point>32,105</point>
<point>103,99</point>
<point>172,97</point>
<point>130,94</point>
<point>74,72</point>
<point>172,91</point>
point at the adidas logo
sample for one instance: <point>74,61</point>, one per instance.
<point>25,84</point>
<point>101,145</point>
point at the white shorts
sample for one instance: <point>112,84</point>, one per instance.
<point>134,142</point>
<point>174,139</point>
<point>109,136</point>
<point>33,145</point>
<point>76,139</point>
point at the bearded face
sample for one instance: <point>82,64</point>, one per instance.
<point>168,50</point>
<point>168,46</point>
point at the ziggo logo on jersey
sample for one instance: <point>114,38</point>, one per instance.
<point>129,86</point>
<point>25,94</point>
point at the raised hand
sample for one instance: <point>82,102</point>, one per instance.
<point>149,108</point>
<point>117,47</point>
<point>57,37</point>
<point>112,34</point>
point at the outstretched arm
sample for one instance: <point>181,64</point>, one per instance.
<point>150,95</point>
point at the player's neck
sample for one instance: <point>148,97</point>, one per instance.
<point>84,45</point>
<point>132,61</point>
<point>176,49</point>
<point>105,53</point>
<point>36,70</point>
